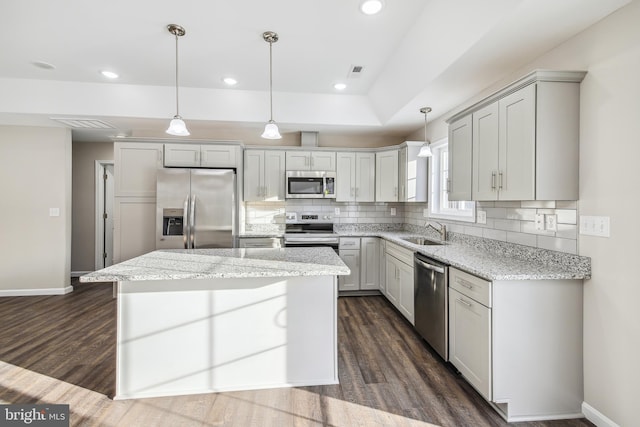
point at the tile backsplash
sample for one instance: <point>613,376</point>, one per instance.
<point>511,222</point>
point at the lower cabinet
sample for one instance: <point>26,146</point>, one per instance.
<point>361,255</point>
<point>134,227</point>
<point>519,343</point>
<point>399,288</point>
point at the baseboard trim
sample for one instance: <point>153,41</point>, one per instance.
<point>35,292</point>
<point>597,417</point>
<point>79,273</point>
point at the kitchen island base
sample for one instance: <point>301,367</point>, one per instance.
<point>209,335</point>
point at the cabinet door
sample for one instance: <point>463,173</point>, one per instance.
<point>402,174</point>
<point>346,177</point>
<point>351,257</point>
<point>136,168</point>
<point>182,155</point>
<point>383,267</point>
<point>387,176</point>
<point>134,227</point>
<point>486,172</point>
<point>365,177</point>
<point>369,259</point>
<point>323,160</point>
<point>253,175</point>
<point>517,124</point>
<point>460,149</point>
<point>218,156</point>
<point>393,280</point>
<point>406,297</point>
<point>470,341</point>
<point>298,160</point>
<point>274,175</point>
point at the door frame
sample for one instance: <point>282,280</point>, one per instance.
<point>99,203</point>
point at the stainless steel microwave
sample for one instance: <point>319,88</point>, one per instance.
<point>311,185</point>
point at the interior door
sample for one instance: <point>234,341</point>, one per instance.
<point>213,208</point>
<point>108,217</point>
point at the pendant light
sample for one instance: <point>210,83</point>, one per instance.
<point>271,128</point>
<point>177,126</point>
<point>425,150</point>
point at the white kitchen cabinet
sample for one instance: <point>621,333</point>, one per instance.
<point>134,227</point>
<point>460,167</point>
<point>470,331</point>
<point>369,267</point>
<point>264,175</point>
<point>525,140</point>
<point>135,168</point>
<point>412,173</point>
<point>200,155</point>
<point>387,176</point>
<point>400,283</point>
<point>311,160</point>
<point>519,343</point>
<point>382,265</point>
<point>355,177</point>
<point>349,250</point>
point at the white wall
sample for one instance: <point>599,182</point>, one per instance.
<point>609,184</point>
<point>35,249</point>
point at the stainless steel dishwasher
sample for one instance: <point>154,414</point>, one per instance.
<point>431,303</point>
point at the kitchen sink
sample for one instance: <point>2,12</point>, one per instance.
<point>420,241</point>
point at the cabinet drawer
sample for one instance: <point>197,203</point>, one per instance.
<point>349,243</point>
<point>471,286</point>
<point>400,253</point>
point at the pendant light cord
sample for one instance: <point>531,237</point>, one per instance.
<point>271,79</point>
<point>177,104</point>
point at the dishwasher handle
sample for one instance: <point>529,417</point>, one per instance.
<point>428,266</point>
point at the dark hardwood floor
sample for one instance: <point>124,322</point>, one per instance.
<point>61,349</point>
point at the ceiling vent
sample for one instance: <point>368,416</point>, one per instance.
<point>83,123</point>
<point>355,71</point>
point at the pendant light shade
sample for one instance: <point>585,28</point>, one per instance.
<point>177,126</point>
<point>271,128</point>
<point>425,150</point>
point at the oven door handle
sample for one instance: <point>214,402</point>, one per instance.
<point>302,241</point>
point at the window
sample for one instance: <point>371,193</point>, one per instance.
<point>439,204</point>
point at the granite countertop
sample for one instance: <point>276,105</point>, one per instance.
<point>493,260</point>
<point>173,264</point>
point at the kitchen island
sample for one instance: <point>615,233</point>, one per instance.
<point>208,320</point>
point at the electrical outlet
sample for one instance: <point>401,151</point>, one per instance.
<point>551,222</point>
<point>481,217</point>
<point>539,222</point>
<point>393,211</point>
<point>425,213</point>
<point>336,211</point>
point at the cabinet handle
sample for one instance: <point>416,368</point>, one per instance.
<point>493,180</point>
<point>448,189</point>
<point>197,157</point>
<point>352,192</point>
<point>500,180</point>
<point>357,191</point>
<point>464,283</point>
<point>464,302</point>
<point>311,161</point>
<point>349,244</point>
<point>395,191</point>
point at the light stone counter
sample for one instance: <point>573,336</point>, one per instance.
<point>491,259</point>
<point>174,264</point>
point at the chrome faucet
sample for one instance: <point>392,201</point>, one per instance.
<point>442,231</point>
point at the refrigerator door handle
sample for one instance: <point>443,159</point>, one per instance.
<point>192,221</point>
<point>185,224</point>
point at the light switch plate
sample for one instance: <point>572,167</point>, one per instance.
<point>481,217</point>
<point>54,211</point>
<point>336,211</point>
<point>393,211</point>
<point>551,222</point>
<point>595,226</point>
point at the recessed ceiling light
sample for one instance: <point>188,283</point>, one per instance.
<point>230,81</point>
<point>109,74</point>
<point>340,86</point>
<point>44,65</point>
<point>371,7</point>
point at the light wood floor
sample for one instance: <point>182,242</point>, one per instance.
<point>61,349</point>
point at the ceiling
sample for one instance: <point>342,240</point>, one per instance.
<point>415,53</point>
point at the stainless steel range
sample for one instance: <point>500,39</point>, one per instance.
<point>310,229</point>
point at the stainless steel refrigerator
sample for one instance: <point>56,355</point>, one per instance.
<point>196,208</point>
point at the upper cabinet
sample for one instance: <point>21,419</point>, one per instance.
<point>205,155</point>
<point>311,160</point>
<point>355,177</point>
<point>387,176</point>
<point>135,168</point>
<point>264,175</point>
<point>412,173</point>
<point>460,149</point>
<point>525,141</point>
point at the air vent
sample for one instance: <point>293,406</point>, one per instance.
<point>82,123</point>
<point>355,71</point>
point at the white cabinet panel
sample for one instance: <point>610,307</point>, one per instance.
<point>387,176</point>
<point>369,263</point>
<point>182,155</point>
<point>135,168</point>
<point>311,160</point>
<point>412,173</point>
<point>407,292</point>
<point>219,156</point>
<point>355,177</point>
<point>134,227</point>
<point>485,153</point>
<point>460,149</point>
<point>264,175</point>
<point>351,257</point>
